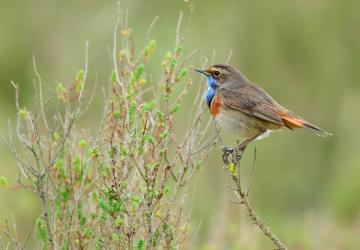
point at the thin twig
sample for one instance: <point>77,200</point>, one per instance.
<point>42,106</point>
<point>251,174</point>
<point>229,56</point>
<point>243,199</point>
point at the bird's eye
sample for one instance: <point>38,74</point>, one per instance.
<point>216,73</point>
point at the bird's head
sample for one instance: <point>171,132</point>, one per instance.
<point>219,74</point>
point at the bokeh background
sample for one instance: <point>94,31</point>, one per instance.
<point>305,53</point>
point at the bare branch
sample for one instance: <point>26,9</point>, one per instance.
<point>42,105</point>
<point>251,174</point>
<point>234,168</point>
<point>178,31</point>
<point>229,57</point>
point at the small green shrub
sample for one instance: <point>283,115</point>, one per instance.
<point>120,188</point>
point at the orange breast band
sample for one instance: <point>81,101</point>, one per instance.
<point>215,106</point>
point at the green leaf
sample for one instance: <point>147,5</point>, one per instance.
<point>79,87</point>
<point>115,237</point>
<point>140,244</point>
<point>161,152</point>
<point>81,217</point>
<point>164,134</point>
<point>64,193</point>
<point>118,222</point>
<point>175,108</point>
<point>182,74</point>
<point>117,114</point>
<point>104,205</point>
<point>173,64</point>
<point>132,110</point>
<point>82,144</point>
<point>139,71</point>
<point>56,136</point>
<point>41,228</point>
<point>147,106</point>
<point>179,49</point>
<point>135,201</point>
<point>152,44</point>
<point>3,182</point>
<point>168,55</point>
<point>167,189</point>
<point>115,206</point>
<point>197,165</point>
<point>114,76</point>
<point>150,48</point>
<point>64,245</point>
<point>159,115</point>
<point>155,238</point>
<point>99,244</point>
<point>80,76</point>
<point>22,113</point>
<point>94,153</point>
<point>77,165</point>
<point>148,138</point>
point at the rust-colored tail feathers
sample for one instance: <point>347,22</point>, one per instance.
<point>292,122</point>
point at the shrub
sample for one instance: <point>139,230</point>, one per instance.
<point>121,188</point>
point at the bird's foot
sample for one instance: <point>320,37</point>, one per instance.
<point>231,155</point>
<point>235,154</point>
<point>227,154</point>
<point>238,154</point>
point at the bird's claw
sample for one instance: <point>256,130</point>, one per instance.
<point>226,153</point>
<point>238,155</point>
<point>231,155</point>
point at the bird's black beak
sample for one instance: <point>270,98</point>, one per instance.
<point>202,71</point>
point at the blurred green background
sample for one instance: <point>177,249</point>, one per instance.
<point>305,53</point>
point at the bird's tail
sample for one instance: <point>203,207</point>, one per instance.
<point>295,122</point>
<point>316,130</point>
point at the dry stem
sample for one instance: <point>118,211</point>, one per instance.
<point>242,195</point>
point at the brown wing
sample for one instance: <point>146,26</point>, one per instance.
<point>252,100</point>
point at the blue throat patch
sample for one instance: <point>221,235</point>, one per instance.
<point>211,90</point>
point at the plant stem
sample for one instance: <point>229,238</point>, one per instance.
<point>243,196</point>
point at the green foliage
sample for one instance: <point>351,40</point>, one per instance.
<point>22,113</point>
<point>80,77</point>
<point>111,189</point>
<point>149,49</point>
<point>175,108</point>
<point>167,189</point>
<point>132,111</point>
<point>306,49</point>
<point>114,76</point>
<point>139,70</point>
<point>179,49</point>
<point>3,182</point>
<point>42,232</point>
<point>182,74</point>
<point>104,206</point>
<point>140,244</point>
<point>148,106</point>
<point>81,217</point>
<point>82,144</point>
<point>135,202</point>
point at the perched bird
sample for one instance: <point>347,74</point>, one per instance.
<point>244,109</point>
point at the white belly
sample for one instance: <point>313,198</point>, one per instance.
<point>240,124</point>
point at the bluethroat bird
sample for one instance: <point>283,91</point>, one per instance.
<point>244,109</point>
